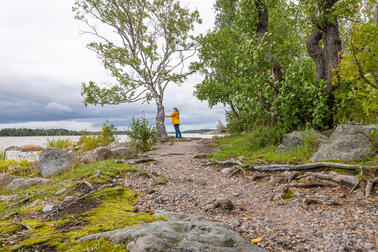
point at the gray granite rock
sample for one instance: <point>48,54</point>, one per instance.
<point>294,139</point>
<point>180,233</point>
<point>122,152</point>
<point>48,208</point>
<point>53,161</point>
<point>98,154</point>
<point>348,142</point>
<point>17,183</point>
<point>9,198</point>
<point>6,179</point>
<point>148,243</point>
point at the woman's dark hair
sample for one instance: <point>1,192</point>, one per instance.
<point>176,110</point>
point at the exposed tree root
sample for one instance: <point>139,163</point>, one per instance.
<point>301,167</point>
<point>237,169</point>
<point>312,181</point>
<point>339,178</point>
<point>369,186</point>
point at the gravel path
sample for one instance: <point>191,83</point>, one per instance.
<point>182,183</point>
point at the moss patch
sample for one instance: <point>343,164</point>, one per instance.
<point>114,209</point>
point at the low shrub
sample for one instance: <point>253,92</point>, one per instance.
<point>140,131</point>
<point>59,143</point>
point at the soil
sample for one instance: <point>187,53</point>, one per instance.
<point>310,219</point>
<point>78,207</point>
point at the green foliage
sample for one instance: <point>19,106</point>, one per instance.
<point>358,93</point>
<point>91,142</point>
<point>141,132</point>
<point>3,154</point>
<point>22,168</point>
<point>88,142</point>
<point>37,132</point>
<point>59,143</point>
<point>107,134</point>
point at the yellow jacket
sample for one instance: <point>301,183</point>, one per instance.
<point>175,117</point>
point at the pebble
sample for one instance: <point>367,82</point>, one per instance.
<point>48,208</point>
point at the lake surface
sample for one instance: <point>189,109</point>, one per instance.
<point>6,142</point>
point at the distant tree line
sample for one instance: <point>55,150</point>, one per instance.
<point>38,132</point>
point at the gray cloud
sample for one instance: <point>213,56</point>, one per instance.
<point>43,61</point>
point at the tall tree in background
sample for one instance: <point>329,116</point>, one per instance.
<point>147,50</point>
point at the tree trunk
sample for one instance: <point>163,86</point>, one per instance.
<point>160,117</point>
<point>332,48</point>
<point>317,53</point>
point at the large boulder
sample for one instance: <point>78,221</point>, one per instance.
<point>122,152</point>
<point>21,182</point>
<point>98,154</point>
<point>180,233</point>
<point>348,142</point>
<point>294,139</point>
<point>6,179</point>
<point>53,161</point>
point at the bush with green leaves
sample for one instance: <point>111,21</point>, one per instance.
<point>141,132</point>
<point>107,134</point>
<point>59,143</point>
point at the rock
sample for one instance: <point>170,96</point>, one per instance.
<point>17,183</point>
<point>30,147</point>
<point>98,154</point>
<point>53,161</point>
<point>122,152</point>
<point>227,170</point>
<point>116,144</point>
<point>61,191</point>
<point>48,208</point>
<point>148,243</point>
<point>180,233</point>
<point>294,139</point>
<point>9,198</point>
<point>348,142</point>
<point>6,179</point>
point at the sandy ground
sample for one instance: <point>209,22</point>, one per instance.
<point>180,181</point>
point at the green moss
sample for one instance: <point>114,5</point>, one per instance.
<point>21,168</point>
<point>99,245</point>
<point>9,228</point>
<point>302,180</point>
<point>288,194</point>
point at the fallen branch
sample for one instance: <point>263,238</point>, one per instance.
<point>228,163</point>
<point>300,167</point>
<point>352,180</point>
<point>369,186</point>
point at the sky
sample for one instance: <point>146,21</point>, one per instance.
<point>44,60</point>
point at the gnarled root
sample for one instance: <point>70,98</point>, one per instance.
<point>369,186</point>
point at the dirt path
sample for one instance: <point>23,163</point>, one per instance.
<point>182,183</point>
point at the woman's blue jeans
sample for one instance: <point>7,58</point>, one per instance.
<point>177,130</point>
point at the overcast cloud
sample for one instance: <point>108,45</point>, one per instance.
<point>44,60</point>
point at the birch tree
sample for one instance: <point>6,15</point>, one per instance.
<point>148,49</point>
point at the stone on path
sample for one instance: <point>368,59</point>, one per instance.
<point>180,233</point>
<point>21,182</point>
<point>53,161</point>
<point>348,142</point>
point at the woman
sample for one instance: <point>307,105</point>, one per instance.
<point>176,121</point>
